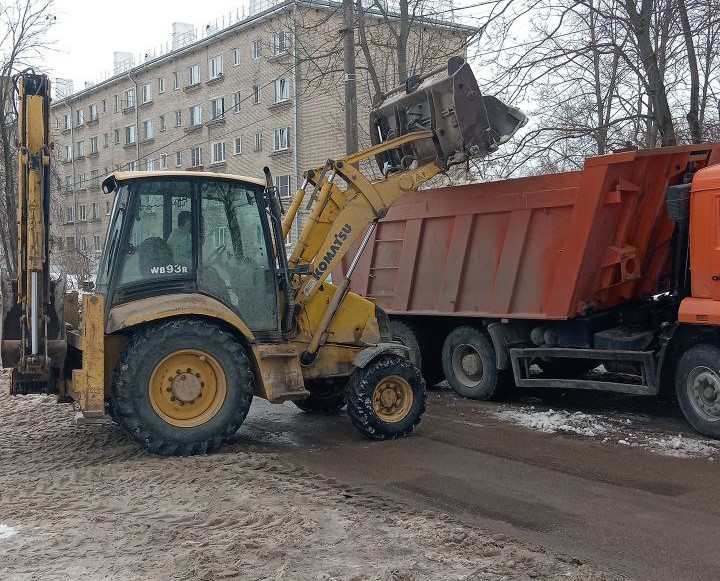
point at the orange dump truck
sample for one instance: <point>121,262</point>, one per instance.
<point>617,264</point>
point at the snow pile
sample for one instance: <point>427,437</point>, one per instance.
<point>613,429</point>
<point>552,421</point>
<point>6,532</point>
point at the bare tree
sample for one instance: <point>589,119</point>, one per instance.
<point>24,28</point>
<point>597,75</point>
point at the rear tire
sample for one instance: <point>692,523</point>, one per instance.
<point>470,365</point>
<point>697,384</point>
<point>326,398</point>
<point>424,354</point>
<point>386,399</point>
<point>182,387</point>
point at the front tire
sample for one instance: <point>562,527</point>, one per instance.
<point>386,399</point>
<point>469,363</point>
<point>697,384</point>
<point>182,387</point>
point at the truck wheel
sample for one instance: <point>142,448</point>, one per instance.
<point>182,387</point>
<point>422,354</point>
<point>697,384</point>
<point>469,362</point>
<point>326,397</point>
<point>387,398</point>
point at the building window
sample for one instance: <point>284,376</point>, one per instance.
<point>69,243</point>
<point>116,96</point>
<point>163,123</point>
<point>68,184</point>
<point>238,145</point>
<point>150,164</point>
<point>133,165</point>
<point>176,81</point>
<point>80,115</point>
<point>108,207</point>
<point>195,156</point>
<point>178,159</point>
<point>258,142</point>
<point>130,98</point>
<point>83,243</point>
<point>97,243</point>
<point>93,145</point>
<point>147,93</point>
<point>178,118</point>
<point>280,42</point>
<point>221,236</point>
<point>282,138</point>
<point>106,140</point>
<point>218,152</point>
<point>82,178</point>
<point>70,214</point>
<point>282,183</point>
<point>282,90</point>
<point>236,57</point>
<point>68,122</point>
<point>216,67</point>
<point>237,100</point>
<point>257,94</point>
<point>163,161</point>
<point>193,75</point>
<point>93,112</point>
<point>95,182</point>
<point>103,106</point>
<point>80,149</point>
<point>256,49</point>
<point>148,129</point>
<point>195,115</point>
<point>96,210</point>
<point>82,212</point>
<point>68,153</point>
<point>130,134</point>
<point>117,137</point>
<point>161,86</point>
<point>217,106</point>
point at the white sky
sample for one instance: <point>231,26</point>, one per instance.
<point>87,32</point>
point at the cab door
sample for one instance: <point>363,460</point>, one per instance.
<point>705,234</point>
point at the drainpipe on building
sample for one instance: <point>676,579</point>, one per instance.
<point>137,121</point>
<point>295,108</point>
<point>72,169</point>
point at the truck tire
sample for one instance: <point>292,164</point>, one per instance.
<point>182,387</point>
<point>697,384</point>
<point>326,398</point>
<point>386,399</point>
<point>423,354</point>
<point>470,366</point>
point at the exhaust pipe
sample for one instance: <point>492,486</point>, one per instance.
<point>466,125</point>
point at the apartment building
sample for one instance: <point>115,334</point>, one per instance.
<point>232,102</point>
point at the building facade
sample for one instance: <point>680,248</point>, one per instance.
<point>237,100</point>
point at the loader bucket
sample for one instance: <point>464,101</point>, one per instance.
<point>466,124</point>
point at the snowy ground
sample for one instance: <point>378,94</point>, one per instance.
<point>85,503</point>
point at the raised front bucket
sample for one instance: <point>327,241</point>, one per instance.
<point>466,124</point>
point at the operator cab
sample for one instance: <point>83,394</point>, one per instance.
<point>191,232</point>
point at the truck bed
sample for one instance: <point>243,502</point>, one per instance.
<point>544,247</point>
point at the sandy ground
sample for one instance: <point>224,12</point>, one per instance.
<point>83,502</point>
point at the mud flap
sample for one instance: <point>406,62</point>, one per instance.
<point>366,356</point>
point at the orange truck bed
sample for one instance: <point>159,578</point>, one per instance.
<point>545,247</point>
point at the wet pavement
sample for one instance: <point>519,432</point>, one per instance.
<point>650,515</point>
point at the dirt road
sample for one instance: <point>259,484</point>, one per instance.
<point>82,502</point>
<point>608,498</point>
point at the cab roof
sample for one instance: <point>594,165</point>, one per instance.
<point>121,176</point>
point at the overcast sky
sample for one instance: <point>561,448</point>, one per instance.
<point>87,32</point>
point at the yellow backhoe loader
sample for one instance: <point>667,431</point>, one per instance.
<point>197,308</point>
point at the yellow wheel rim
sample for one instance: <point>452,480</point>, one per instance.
<point>187,388</point>
<point>392,399</point>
